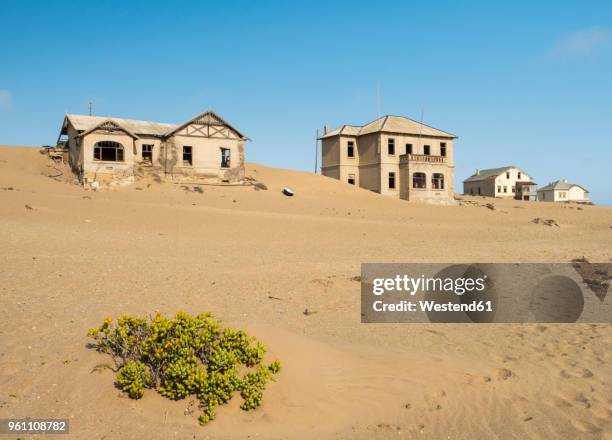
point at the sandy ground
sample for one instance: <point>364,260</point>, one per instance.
<point>79,256</point>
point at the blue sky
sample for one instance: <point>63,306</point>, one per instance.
<point>525,83</point>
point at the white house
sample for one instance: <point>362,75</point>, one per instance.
<point>562,191</point>
<point>505,182</point>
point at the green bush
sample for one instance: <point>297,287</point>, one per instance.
<point>133,377</point>
<point>186,356</point>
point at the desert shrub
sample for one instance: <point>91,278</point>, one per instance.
<point>133,377</point>
<point>183,356</point>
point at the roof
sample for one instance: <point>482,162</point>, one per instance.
<point>491,173</point>
<point>562,185</point>
<point>86,123</point>
<point>389,124</point>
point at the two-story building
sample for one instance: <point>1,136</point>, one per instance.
<point>394,156</point>
<point>506,182</point>
<point>102,148</point>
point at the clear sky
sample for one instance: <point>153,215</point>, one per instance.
<point>525,83</point>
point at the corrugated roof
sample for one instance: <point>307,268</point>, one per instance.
<point>491,173</point>
<point>390,124</point>
<point>85,122</point>
<point>561,184</point>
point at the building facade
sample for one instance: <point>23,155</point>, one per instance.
<point>506,182</point>
<point>562,191</point>
<point>103,148</point>
<point>394,156</point>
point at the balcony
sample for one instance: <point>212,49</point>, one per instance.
<point>426,158</point>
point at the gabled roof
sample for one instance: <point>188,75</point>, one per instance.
<point>207,118</point>
<point>134,126</point>
<point>562,185</point>
<point>390,124</point>
<point>491,173</point>
<point>110,125</point>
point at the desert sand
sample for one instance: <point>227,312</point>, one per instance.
<point>71,257</point>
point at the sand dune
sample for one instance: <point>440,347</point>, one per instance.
<point>72,257</point>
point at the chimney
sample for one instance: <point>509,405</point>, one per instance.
<point>325,129</point>
<point>477,172</point>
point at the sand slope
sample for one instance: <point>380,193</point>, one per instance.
<point>78,256</point>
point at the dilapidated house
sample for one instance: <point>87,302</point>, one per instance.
<point>563,191</point>
<point>394,156</point>
<point>505,182</point>
<point>102,148</point>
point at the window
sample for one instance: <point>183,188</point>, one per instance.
<point>351,179</point>
<point>391,147</point>
<point>391,180</point>
<point>519,174</point>
<point>187,156</point>
<point>225,157</point>
<point>408,148</point>
<point>443,149</point>
<point>419,180</point>
<point>513,189</point>
<point>426,150</point>
<point>507,175</point>
<point>437,181</point>
<point>505,189</point>
<point>147,153</point>
<point>350,149</point>
<point>108,151</point>
<point>498,188</point>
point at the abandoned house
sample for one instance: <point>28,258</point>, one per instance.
<point>394,156</point>
<point>106,148</point>
<point>562,191</point>
<point>505,182</point>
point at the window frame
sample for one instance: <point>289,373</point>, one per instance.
<point>190,154</point>
<point>391,183</point>
<point>350,149</point>
<point>408,148</point>
<point>427,150</point>
<point>391,146</point>
<point>101,147</point>
<point>422,178</point>
<point>226,160</point>
<point>149,152</point>
<point>443,149</point>
<point>437,181</point>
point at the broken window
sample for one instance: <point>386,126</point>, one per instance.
<point>408,148</point>
<point>108,151</point>
<point>419,180</point>
<point>147,153</point>
<point>225,157</point>
<point>426,150</point>
<point>351,179</point>
<point>391,147</point>
<point>350,149</point>
<point>437,181</point>
<point>498,188</point>
<point>187,156</point>
<point>391,180</point>
<point>442,148</point>
<point>505,189</point>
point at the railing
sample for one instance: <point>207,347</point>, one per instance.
<point>422,158</point>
